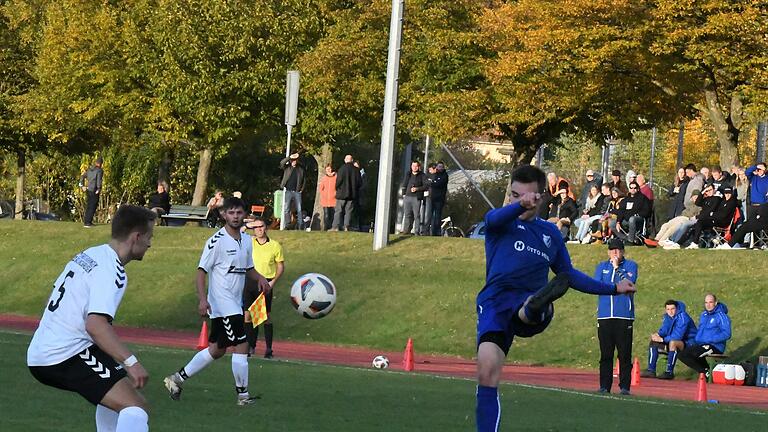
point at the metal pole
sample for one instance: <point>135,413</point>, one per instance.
<point>604,166</point>
<point>761,133</point>
<point>653,155</point>
<point>426,153</point>
<point>282,204</point>
<point>291,108</point>
<point>469,177</point>
<point>680,141</point>
<point>384,189</point>
<point>540,156</point>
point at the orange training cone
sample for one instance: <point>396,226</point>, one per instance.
<point>635,373</point>
<point>701,391</point>
<point>408,357</point>
<point>616,369</point>
<point>202,340</point>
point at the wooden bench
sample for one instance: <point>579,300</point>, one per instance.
<point>187,213</point>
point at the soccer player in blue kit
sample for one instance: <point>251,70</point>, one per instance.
<point>517,299</point>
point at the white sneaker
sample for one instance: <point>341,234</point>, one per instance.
<point>724,246</point>
<point>585,240</point>
<point>173,384</point>
<point>572,242</point>
<point>245,399</point>
<point>671,245</point>
<point>693,246</point>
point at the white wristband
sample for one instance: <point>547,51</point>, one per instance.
<point>130,361</point>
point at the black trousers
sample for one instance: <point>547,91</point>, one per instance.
<point>90,209</point>
<point>757,219</point>
<point>328,217</point>
<point>695,356</point>
<point>437,216</point>
<point>615,335</point>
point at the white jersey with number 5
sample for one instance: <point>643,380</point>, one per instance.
<point>93,282</point>
<point>226,261</point>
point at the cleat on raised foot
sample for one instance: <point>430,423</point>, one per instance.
<point>173,384</point>
<point>552,291</point>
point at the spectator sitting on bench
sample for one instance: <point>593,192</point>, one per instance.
<point>716,211</point>
<point>714,331</point>
<point>687,218</point>
<point>632,213</point>
<point>676,332</point>
<point>214,205</point>
<point>160,201</point>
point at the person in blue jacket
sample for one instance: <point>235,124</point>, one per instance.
<point>517,298</point>
<point>677,331</point>
<point>714,331</point>
<point>615,318</point>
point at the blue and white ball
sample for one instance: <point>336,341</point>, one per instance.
<point>313,295</point>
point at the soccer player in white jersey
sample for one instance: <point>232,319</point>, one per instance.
<point>226,261</point>
<point>75,348</point>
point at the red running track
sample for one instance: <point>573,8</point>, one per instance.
<point>564,378</point>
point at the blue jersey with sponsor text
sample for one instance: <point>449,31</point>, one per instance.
<point>519,255</point>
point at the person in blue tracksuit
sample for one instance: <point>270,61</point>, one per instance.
<point>677,332</point>
<point>517,299</point>
<point>615,318</point>
<point>714,331</point>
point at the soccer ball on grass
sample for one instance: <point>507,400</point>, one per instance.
<point>313,295</point>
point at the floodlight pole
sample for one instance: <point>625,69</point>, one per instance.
<point>680,142</point>
<point>653,155</point>
<point>760,144</point>
<point>384,189</point>
<point>291,105</point>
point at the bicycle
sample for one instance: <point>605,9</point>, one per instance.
<point>447,229</point>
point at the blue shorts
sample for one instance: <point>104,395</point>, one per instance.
<point>499,315</point>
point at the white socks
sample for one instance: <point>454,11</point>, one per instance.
<point>240,370</point>
<point>132,419</point>
<point>199,362</point>
<point>106,419</point>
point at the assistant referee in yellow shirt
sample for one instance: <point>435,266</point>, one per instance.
<point>269,262</point>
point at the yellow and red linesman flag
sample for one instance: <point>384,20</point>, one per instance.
<point>258,310</point>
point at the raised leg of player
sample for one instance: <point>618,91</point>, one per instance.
<point>490,360</point>
<point>130,406</point>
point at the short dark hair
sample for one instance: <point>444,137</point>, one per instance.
<point>636,184</point>
<point>131,218</point>
<point>416,162</point>
<point>717,168</point>
<point>691,167</point>
<point>671,302</point>
<point>232,202</point>
<point>529,174</point>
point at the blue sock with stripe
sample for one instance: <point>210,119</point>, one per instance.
<point>488,409</point>
<point>653,357</point>
<point>671,360</point>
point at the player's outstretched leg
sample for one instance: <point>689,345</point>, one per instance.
<point>200,360</point>
<point>537,307</point>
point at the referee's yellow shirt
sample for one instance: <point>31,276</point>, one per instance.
<point>266,256</point>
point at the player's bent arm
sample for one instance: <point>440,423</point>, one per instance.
<point>586,284</point>
<point>104,336</point>
<point>504,215</point>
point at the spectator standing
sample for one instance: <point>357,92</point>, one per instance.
<point>617,183</point>
<point>645,188</point>
<point>214,208</point>
<point>226,262</point>
<point>438,192</point>
<point>706,174</point>
<point>517,299</point>
<point>293,183</point>
<point>91,182</point>
<point>425,213</point>
<point>268,260</point>
<point>360,201</point>
<point>695,181</point>
<point>631,176</point>
<point>348,182</point>
<point>676,332</point>
<point>741,187</point>
<point>592,180</point>
<point>415,184</point>
<point>75,347</point>
<point>160,201</point>
<point>328,196</point>
<point>757,210</point>
<point>720,179</point>
<point>615,318</point>
<point>711,337</point>
<point>677,194</point>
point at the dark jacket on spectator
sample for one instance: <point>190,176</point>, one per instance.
<point>727,180</point>
<point>634,205</point>
<point>288,170</point>
<point>161,200</point>
<point>439,186</point>
<point>708,205</point>
<point>677,204</point>
<point>597,180</point>
<point>601,206</point>
<point>723,213</point>
<point>564,209</point>
<point>419,181</point>
<point>348,182</point>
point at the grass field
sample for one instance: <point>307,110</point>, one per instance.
<point>317,398</point>
<point>423,288</point>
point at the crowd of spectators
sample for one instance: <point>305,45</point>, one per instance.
<point>706,208</point>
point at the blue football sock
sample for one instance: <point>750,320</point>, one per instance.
<point>653,357</point>
<point>488,409</point>
<point>671,360</point>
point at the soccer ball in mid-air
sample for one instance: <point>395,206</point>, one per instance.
<point>380,362</point>
<point>313,295</point>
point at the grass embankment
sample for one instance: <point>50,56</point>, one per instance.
<point>422,288</point>
<point>307,397</point>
